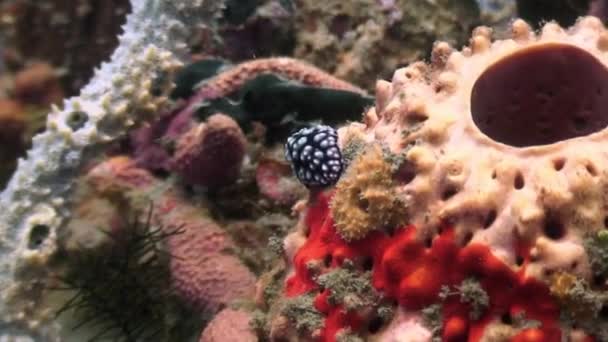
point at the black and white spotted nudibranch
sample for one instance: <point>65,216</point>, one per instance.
<point>315,156</point>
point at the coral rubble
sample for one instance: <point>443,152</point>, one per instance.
<point>12,126</point>
<point>363,40</point>
<point>491,224</point>
<point>74,36</point>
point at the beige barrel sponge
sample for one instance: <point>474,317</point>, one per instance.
<point>499,148</point>
<point>507,141</point>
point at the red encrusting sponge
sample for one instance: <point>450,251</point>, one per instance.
<point>408,271</point>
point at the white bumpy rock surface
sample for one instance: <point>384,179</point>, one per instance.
<point>35,203</point>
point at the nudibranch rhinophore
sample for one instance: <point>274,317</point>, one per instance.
<point>494,200</point>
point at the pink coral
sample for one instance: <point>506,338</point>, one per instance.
<point>229,326</point>
<point>211,154</point>
<point>293,69</point>
<point>204,272</point>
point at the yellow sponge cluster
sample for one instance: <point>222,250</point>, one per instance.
<point>365,198</point>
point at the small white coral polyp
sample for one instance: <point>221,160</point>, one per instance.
<point>507,141</point>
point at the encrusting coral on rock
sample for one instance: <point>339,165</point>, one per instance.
<point>500,187</point>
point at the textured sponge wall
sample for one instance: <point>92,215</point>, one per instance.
<point>549,195</point>
<point>497,153</point>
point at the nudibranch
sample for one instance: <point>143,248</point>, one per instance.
<point>315,157</point>
<point>498,158</point>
